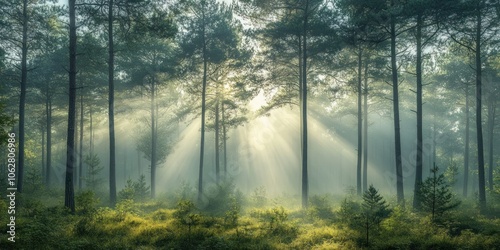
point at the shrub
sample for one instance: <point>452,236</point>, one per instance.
<point>86,202</point>
<point>320,208</point>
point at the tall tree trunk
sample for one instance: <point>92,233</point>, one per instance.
<point>395,99</point>
<point>153,138</point>
<point>42,174</point>
<point>224,137</point>
<point>22,99</point>
<point>491,125</point>
<point>203,108</point>
<point>111,112</point>
<point>466,150</point>
<point>365,129</point>
<point>217,161</point>
<point>418,166</point>
<point>305,179</point>
<point>69,194</point>
<point>80,153</point>
<point>360,123</point>
<point>480,158</point>
<point>48,110</point>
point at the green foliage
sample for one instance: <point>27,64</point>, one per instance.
<point>320,208</point>
<point>137,191</point>
<point>436,196</point>
<point>94,168</point>
<point>348,212</point>
<point>451,173</point>
<point>374,210</point>
<point>86,202</point>
<point>220,198</point>
<point>259,196</point>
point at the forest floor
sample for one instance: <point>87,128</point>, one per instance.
<point>226,219</point>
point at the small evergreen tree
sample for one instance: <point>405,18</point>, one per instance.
<point>94,169</point>
<point>140,189</point>
<point>435,195</point>
<point>374,210</point>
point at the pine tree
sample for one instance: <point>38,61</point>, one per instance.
<point>374,211</point>
<point>435,195</point>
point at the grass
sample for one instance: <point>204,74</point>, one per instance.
<point>233,221</point>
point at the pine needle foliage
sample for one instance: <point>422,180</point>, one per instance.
<point>374,210</point>
<point>436,196</point>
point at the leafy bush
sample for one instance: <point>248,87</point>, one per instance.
<point>320,208</point>
<point>86,202</point>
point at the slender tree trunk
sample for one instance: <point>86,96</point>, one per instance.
<point>217,161</point>
<point>365,129</point>
<point>22,99</point>
<point>395,99</point>
<point>80,154</point>
<point>305,179</point>
<point>69,195</point>
<point>301,109</point>
<point>466,150</point>
<point>111,112</point>
<point>48,166</point>
<point>43,156</point>
<point>203,108</point>
<point>491,125</point>
<point>418,166</point>
<point>360,123</point>
<point>153,138</point>
<point>224,137</point>
<point>480,158</point>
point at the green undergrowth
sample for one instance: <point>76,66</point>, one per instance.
<point>227,219</point>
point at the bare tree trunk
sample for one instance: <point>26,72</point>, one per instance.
<point>111,112</point>
<point>22,99</point>
<point>491,126</point>
<point>395,99</point>
<point>467,131</point>
<point>480,158</point>
<point>153,138</point>
<point>43,155</point>
<point>48,110</point>
<point>305,179</point>
<point>203,108</point>
<point>365,129</point>
<point>80,154</point>
<point>360,123</point>
<point>69,195</point>
<point>224,137</point>
<point>418,166</point>
<point>217,161</point>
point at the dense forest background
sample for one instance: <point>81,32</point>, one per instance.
<point>239,121</point>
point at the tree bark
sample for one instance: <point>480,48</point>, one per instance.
<point>480,158</point>
<point>203,107</point>
<point>365,129</point>
<point>22,99</point>
<point>418,166</point>
<point>466,149</point>
<point>48,166</point>
<point>80,153</point>
<point>395,98</point>
<point>69,195</point>
<point>224,137</point>
<point>217,153</point>
<point>153,138</point>
<point>305,179</point>
<point>360,123</point>
<point>111,112</point>
<point>491,126</point>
